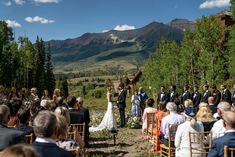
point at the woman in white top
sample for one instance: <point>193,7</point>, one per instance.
<point>109,121</point>
<point>182,136</point>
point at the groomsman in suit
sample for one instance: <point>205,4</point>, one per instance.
<point>162,96</point>
<point>196,97</point>
<point>121,102</point>
<point>233,96</point>
<point>226,94</point>
<point>216,94</point>
<point>206,93</point>
<point>186,95</point>
<point>228,139</point>
<point>174,95</point>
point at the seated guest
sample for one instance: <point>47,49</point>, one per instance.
<point>204,115</point>
<point>45,129</point>
<point>172,119</point>
<point>23,116</point>
<point>8,136</point>
<point>161,113</point>
<point>148,109</point>
<point>14,107</point>
<point>188,104</point>
<point>217,149</point>
<point>75,112</point>
<point>87,120</point>
<point>20,150</point>
<point>212,106</point>
<point>218,129</point>
<point>62,111</point>
<point>182,135</point>
<point>203,104</point>
<point>62,140</point>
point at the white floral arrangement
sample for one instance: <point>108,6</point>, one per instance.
<point>134,122</point>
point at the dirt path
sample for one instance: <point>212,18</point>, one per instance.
<point>129,143</point>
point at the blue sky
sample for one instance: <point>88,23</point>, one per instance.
<point>62,19</point>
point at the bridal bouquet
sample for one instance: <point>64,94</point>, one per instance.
<point>134,122</point>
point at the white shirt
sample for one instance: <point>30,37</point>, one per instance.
<point>172,118</point>
<point>218,129</point>
<point>182,139</point>
<point>45,140</point>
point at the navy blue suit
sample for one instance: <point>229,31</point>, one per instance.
<point>51,150</point>
<point>10,137</point>
<point>217,149</point>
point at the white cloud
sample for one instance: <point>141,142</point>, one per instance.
<point>8,3</point>
<point>123,27</point>
<point>38,19</point>
<point>104,31</point>
<point>19,2</point>
<point>47,1</point>
<point>13,23</point>
<point>215,4</point>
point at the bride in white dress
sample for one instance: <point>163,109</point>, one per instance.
<point>109,121</point>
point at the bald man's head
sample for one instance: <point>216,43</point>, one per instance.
<point>229,119</point>
<point>211,100</point>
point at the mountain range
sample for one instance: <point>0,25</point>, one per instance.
<point>114,50</point>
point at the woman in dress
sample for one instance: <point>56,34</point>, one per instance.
<point>135,101</point>
<point>109,121</point>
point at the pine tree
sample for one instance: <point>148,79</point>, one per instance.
<point>49,75</point>
<point>232,44</point>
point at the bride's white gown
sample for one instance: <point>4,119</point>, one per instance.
<point>109,121</point>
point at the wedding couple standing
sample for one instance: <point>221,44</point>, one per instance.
<point>109,122</point>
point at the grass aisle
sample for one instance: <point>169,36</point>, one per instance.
<point>129,143</point>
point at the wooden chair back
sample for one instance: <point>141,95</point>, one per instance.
<point>71,135</point>
<point>229,151</point>
<point>29,138</point>
<point>169,151</point>
<point>80,128</point>
<point>150,125</point>
<point>200,143</point>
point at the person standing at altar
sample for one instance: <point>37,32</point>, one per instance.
<point>121,102</point>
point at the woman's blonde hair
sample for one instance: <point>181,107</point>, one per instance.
<point>62,127</point>
<point>203,104</point>
<point>205,112</point>
<point>56,92</point>
<point>20,150</point>
<point>188,103</point>
<point>63,112</point>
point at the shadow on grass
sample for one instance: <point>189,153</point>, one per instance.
<point>107,145</point>
<point>118,153</point>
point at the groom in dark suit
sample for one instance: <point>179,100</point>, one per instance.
<point>228,139</point>
<point>121,102</point>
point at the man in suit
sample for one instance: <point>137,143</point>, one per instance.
<point>196,97</point>
<point>75,112</point>
<point>226,94</point>
<point>162,96</point>
<point>228,139</point>
<point>87,120</point>
<point>211,104</point>
<point>174,95</point>
<point>206,93</point>
<point>216,94</point>
<point>8,136</point>
<point>233,96</point>
<point>121,101</point>
<point>186,95</point>
<point>45,130</point>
